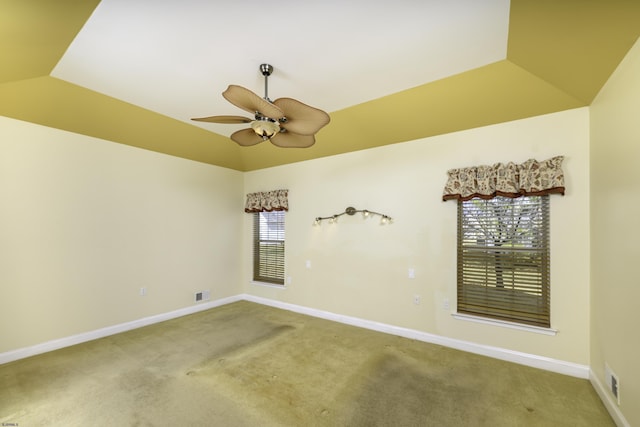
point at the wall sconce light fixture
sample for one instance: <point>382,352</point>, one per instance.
<point>385,219</point>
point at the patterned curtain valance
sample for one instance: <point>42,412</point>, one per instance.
<point>531,178</point>
<point>267,201</point>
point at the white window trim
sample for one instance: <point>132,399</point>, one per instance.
<point>267,284</point>
<point>505,324</point>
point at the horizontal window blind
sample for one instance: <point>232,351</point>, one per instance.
<point>503,259</point>
<point>268,247</point>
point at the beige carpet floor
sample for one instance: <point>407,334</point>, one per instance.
<point>245,364</point>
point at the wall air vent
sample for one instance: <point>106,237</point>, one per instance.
<point>612,382</point>
<point>202,296</point>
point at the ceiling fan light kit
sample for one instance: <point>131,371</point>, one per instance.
<point>265,128</point>
<point>285,122</point>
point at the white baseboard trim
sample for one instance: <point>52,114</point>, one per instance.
<point>608,400</point>
<point>532,360</point>
<point>45,347</point>
<point>553,365</point>
<point>548,364</point>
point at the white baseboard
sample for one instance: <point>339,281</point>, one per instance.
<point>548,364</point>
<point>608,400</point>
<point>532,360</point>
<point>45,347</point>
<point>553,365</point>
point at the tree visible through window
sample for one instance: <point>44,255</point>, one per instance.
<point>503,259</point>
<point>268,247</point>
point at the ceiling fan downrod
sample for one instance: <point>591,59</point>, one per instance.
<point>266,71</point>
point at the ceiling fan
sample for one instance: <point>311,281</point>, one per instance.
<point>285,121</point>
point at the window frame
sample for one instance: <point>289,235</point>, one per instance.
<point>269,266</point>
<point>525,298</point>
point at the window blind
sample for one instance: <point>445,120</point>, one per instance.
<point>268,247</point>
<point>503,259</point>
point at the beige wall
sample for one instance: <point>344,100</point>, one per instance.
<point>85,223</point>
<point>615,207</point>
<point>359,268</point>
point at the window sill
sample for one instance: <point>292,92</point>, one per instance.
<point>504,324</point>
<point>267,284</point>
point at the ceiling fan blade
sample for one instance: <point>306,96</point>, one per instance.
<point>301,118</point>
<point>249,101</point>
<point>224,119</point>
<point>292,140</point>
<point>246,137</point>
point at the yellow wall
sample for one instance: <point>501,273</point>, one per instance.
<point>360,269</point>
<point>615,206</point>
<point>85,223</point>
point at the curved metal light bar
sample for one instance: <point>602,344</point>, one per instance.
<point>384,219</point>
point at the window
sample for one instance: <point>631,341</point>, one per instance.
<point>268,247</point>
<point>503,259</point>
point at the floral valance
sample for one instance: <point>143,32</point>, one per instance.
<point>531,178</point>
<point>267,201</point>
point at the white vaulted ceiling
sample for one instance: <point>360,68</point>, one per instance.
<point>176,57</point>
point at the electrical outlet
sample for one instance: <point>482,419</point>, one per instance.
<point>288,280</point>
<point>445,304</point>
<point>143,292</point>
<point>412,273</point>
<point>416,299</point>
<point>307,263</point>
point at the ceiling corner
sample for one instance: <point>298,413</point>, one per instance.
<point>573,44</point>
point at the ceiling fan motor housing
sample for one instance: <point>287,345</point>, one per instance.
<point>266,69</point>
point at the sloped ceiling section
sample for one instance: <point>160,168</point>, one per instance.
<point>557,56</point>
